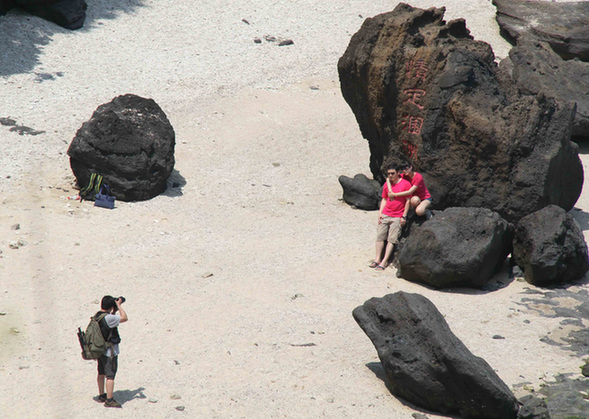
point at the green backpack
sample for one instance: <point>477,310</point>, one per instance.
<point>92,341</point>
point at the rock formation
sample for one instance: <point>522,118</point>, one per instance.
<point>564,26</point>
<point>131,143</point>
<point>550,248</point>
<point>361,192</point>
<point>538,70</point>
<point>459,247</point>
<point>69,14</point>
<point>426,364</point>
<point>424,90</point>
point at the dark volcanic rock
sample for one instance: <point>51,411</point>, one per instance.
<point>458,247</point>
<point>423,89</point>
<point>131,143</point>
<point>361,192</point>
<point>565,26</point>
<point>549,246</point>
<point>5,6</point>
<point>538,70</point>
<point>69,14</point>
<point>426,364</point>
<point>533,408</point>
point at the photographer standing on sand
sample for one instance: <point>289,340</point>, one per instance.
<point>107,363</point>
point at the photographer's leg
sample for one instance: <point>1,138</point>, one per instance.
<point>110,386</point>
<point>100,380</point>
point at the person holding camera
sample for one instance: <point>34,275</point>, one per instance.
<point>107,363</point>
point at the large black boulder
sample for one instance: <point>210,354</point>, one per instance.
<point>131,143</point>
<point>563,25</point>
<point>69,14</point>
<point>361,192</point>
<point>426,364</point>
<point>423,89</point>
<point>550,248</point>
<point>459,247</point>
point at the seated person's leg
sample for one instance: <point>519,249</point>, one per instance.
<point>422,207</point>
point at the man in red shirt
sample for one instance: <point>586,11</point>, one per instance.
<point>392,216</point>
<point>420,196</point>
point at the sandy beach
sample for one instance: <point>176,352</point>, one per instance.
<point>240,283</point>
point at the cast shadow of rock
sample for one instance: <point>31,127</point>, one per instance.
<point>23,36</point>
<point>376,368</point>
<point>175,184</point>
<point>499,280</point>
<point>124,396</point>
<point>581,217</point>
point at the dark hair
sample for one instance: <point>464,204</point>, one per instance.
<point>108,302</point>
<point>392,166</point>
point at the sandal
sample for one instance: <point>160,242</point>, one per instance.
<point>380,268</point>
<point>373,265</point>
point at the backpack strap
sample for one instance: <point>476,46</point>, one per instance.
<point>100,316</point>
<point>88,187</point>
<point>97,184</point>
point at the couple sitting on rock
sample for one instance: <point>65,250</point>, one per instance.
<point>404,189</point>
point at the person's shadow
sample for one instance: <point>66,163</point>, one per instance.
<point>124,396</point>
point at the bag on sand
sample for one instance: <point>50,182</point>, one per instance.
<point>104,198</point>
<point>92,341</point>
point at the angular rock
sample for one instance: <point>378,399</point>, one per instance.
<point>426,364</point>
<point>563,25</point>
<point>550,248</point>
<point>69,14</point>
<point>533,408</point>
<point>423,89</point>
<point>131,143</point>
<point>537,69</point>
<point>361,192</point>
<point>459,247</point>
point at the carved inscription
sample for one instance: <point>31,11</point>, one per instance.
<point>412,98</point>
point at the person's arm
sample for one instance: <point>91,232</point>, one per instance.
<point>122,312</point>
<point>405,212</point>
<point>408,192</point>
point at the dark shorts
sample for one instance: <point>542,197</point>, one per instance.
<point>108,366</point>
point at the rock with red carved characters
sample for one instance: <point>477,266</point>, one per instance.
<point>423,89</point>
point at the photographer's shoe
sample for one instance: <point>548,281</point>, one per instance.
<point>112,403</point>
<point>100,398</point>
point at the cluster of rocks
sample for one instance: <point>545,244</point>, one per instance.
<point>493,143</point>
<point>423,90</point>
<point>130,142</point>
<point>465,247</point>
<point>69,14</point>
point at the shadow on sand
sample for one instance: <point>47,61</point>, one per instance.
<point>23,36</point>
<point>124,396</point>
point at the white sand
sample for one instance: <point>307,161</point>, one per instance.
<point>262,134</point>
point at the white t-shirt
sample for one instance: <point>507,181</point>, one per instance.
<point>112,321</point>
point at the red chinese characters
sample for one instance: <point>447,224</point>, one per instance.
<point>414,96</point>
<point>416,69</point>
<point>411,122</point>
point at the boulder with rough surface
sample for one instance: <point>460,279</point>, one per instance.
<point>563,25</point>
<point>426,364</point>
<point>459,247</point>
<point>423,89</point>
<point>550,248</point>
<point>69,14</point>
<point>361,192</point>
<point>131,143</point>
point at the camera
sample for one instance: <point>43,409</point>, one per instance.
<point>122,299</point>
